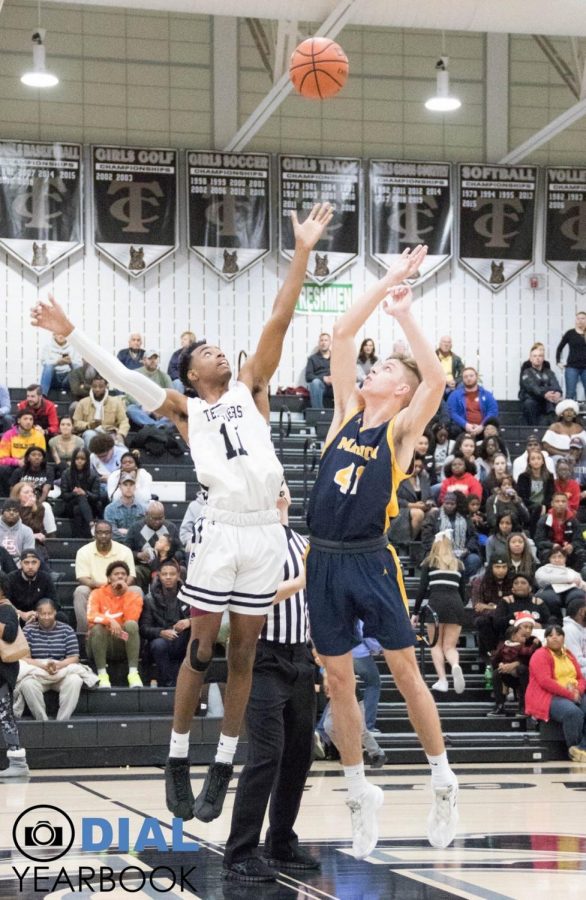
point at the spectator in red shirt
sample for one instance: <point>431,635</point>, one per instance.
<point>565,484</point>
<point>43,410</point>
<point>460,476</point>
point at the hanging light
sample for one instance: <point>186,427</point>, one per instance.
<point>442,101</point>
<point>38,76</point>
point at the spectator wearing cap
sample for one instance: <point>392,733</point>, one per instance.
<point>568,424</point>
<point>511,663</point>
<point>577,458</point>
<point>28,585</point>
<point>53,665</point>
<point>539,389</point>
<point>133,355</point>
<point>125,511</point>
<point>101,414</point>
<point>187,338</point>
<point>113,611</point>
<point>15,442</point>
<point>15,537</point>
<point>135,412</point>
<point>520,462</point>
<point>558,583</point>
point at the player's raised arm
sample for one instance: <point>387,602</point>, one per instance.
<point>343,358</point>
<point>50,316</point>
<point>259,368</point>
<point>412,420</point>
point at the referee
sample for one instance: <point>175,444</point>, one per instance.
<point>280,719</point>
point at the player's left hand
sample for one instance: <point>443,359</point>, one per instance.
<point>311,230</point>
<point>407,265</point>
<point>50,315</point>
<point>399,300</point>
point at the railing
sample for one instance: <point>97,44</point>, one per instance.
<point>284,431</point>
<point>309,446</point>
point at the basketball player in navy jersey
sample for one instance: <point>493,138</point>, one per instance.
<point>242,545</point>
<point>352,572</point>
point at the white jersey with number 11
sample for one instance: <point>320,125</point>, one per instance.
<point>232,452</point>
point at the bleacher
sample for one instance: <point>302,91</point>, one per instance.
<point>122,726</point>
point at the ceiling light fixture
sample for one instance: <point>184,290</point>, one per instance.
<point>442,101</point>
<point>38,76</point>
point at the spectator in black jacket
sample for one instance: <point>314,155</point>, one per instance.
<point>317,373</point>
<point>535,487</point>
<point>165,623</point>
<point>521,598</point>
<point>464,537</point>
<point>187,338</point>
<point>132,356</point>
<point>539,389</point>
<point>142,537</point>
<point>80,492</point>
<point>575,367</point>
<point>7,564</point>
<point>28,585</point>
<point>558,526</point>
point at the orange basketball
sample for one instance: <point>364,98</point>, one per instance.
<point>318,68</point>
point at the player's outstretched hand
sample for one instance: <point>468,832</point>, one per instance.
<point>311,230</point>
<point>398,300</point>
<point>407,265</point>
<point>49,315</point>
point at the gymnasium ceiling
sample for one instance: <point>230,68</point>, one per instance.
<point>543,17</point>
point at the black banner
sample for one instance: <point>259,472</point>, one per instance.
<point>306,180</point>
<point>134,196</point>
<point>410,204</point>
<point>228,202</point>
<point>565,224</point>
<point>40,202</point>
<point>497,220</point>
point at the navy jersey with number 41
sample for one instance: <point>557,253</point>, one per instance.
<point>354,497</point>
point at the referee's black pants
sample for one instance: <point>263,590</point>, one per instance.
<point>280,719</point>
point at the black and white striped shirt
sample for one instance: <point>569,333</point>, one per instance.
<point>287,622</point>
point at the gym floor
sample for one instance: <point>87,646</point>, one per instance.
<point>521,836</point>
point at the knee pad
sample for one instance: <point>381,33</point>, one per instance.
<point>192,660</point>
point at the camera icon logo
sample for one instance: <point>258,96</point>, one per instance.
<point>43,833</point>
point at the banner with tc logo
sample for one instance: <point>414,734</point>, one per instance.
<point>565,224</point>
<point>229,209</point>
<point>496,220</point>
<point>306,180</point>
<point>41,218</point>
<point>134,205</point>
<point>410,204</point>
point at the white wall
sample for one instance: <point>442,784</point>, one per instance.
<point>129,77</point>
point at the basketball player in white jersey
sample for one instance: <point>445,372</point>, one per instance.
<point>240,558</point>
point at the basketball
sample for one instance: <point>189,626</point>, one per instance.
<point>318,68</point>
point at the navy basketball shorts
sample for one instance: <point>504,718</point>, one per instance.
<point>343,587</point>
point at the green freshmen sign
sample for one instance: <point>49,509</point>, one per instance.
<point>324,299</point>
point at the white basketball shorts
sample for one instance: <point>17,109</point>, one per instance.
<point>235,566</point>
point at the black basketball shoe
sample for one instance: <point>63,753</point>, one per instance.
<point>210,800</point>
<point>178,791</point>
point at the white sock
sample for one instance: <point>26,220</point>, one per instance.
<point>16,752</point>
<point>226,749</point>
<point>441,773</point>
<point>102,671</point>
<point>132,670</point>
<point>179,748</point>
<point>355,780</point>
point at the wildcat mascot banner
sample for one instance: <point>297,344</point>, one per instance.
<point>41,210</point>
<point>134,205</point>
<point>565,224</point>
<point>306,180</point>
<point>410,204</point>
<point>228,207</point>
<point>496,220</point>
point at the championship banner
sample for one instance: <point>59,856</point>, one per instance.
<point>306,180</point>
<point>497,221</point>
<point>565,224</point>
<point>41,215</point>
<point>410,204</point>
<point>134,205</point>
<point>228,202</point>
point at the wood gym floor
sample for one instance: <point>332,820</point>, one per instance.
<point>522,835</point>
